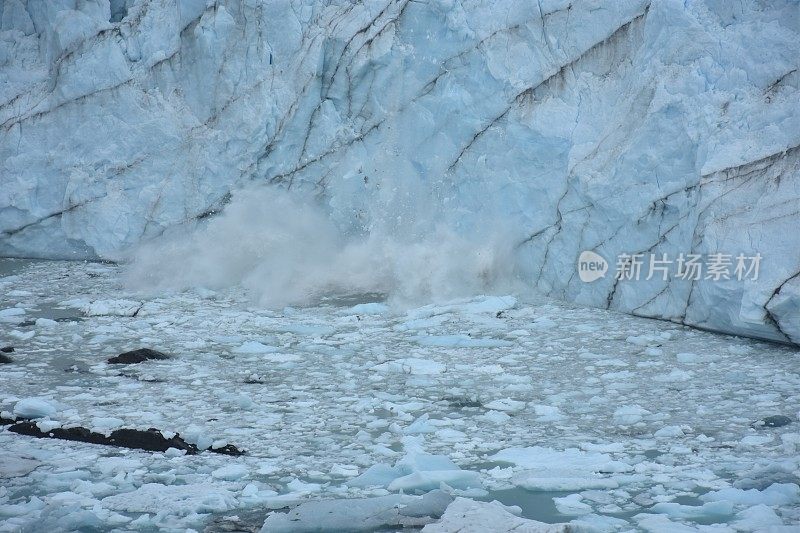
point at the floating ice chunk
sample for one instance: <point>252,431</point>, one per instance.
<point>360,514</point>
<point>344,470</point>
<point>758,517</point>
<point>506,404</point>
<point>13,465</point>
<point>379,475</point>
<point>756,440</point>
<point>710,510</point>
<point>572,505</point>
<point>427,472</point>
<point>282,358</point>
<point>230,472</point>
<point>412,365</point>
<point>308,329</point>
<point>22,335</point>
<point>197,436</point>
<point>562,481</point>
<point>114,465</point>
<point>11,314</point>
<point>791,442</point>
<point>21,509</point>
<point>501,473</point>
<point>418,471</point>
<point>432,479</point>
<point>547,413</point>
<point>611,362</point>
<point>372,308</point>
<point>543,323</point>
<point>254,347</point>
<point>470,516</point>
<point>120,307</point>
<point>178,500</point>
<point>419,426</point>
<point>252,494</point>
<point>496,417</point>
<point>450,435</point>
<point>609,447</point>
<point>421,323</point>
<point>675,376</point>
<point>18,293</point>
<point>243,401</point>
<point>659,523</point>
<point>217,444</point>
<point>174,452</point>
<point>488,369</point>
<point>628,415</point>
<point>296,485</point>
<point>775,494</point>
<point>489,304</point>
<point>460,341</point>
<point>571,469</point>
<point>687,357</point>
<point>672,431</point>
<point>643,340</point>
<point>101,424</point>
<point>35,408</point>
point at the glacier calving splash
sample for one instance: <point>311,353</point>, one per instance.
<point>615,126</point>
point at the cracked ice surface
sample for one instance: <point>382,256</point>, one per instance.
<point>601,418</point>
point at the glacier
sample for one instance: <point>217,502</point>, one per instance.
<point>615,126</point>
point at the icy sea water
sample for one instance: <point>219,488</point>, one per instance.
<point>571,414</point>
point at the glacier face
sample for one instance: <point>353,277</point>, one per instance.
<point>615,126</point>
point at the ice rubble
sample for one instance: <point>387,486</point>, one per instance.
<point>469,516</point>
<point>546,469</point>
<point>363,514</point>
<point>173,499</point>
<point>618,126</point>
<point>418,471</point>
<point>506,423</point>
<point>34,408</point>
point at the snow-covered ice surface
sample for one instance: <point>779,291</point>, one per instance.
<point>562,414</point>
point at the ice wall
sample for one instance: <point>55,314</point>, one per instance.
<point>614,126</point>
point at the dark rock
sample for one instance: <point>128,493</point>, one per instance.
<point>6,421</point>
<point>228,449</point>
<point>76,433</point>
<point>137,356</point>
<point>4,359</point>
<point>151,440</point>
<point>463,402</point>
<point>7,349</point>
<point>774,421</point>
